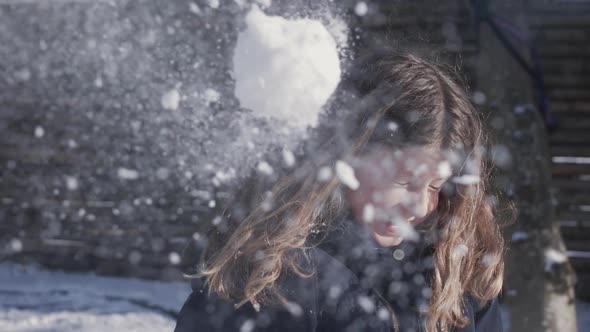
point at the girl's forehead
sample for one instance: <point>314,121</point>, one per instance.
<point>412,161</point>
<point>409,154</point>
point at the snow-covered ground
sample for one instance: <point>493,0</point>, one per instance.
<point>33,299</point>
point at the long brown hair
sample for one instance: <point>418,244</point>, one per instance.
<point>430,108</point>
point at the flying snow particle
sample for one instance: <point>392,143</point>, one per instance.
<point>553,257</point>
<point>294,308</point>
<point>479,98</point>
<point>23,74</point>
<point>466,179</point>
<point>519,236</point>
<point>334,292</point>
<point>288,158</point>
<point>501,155</point>
<point>324,174</point>
<point>134,257</point>
<point>460,250</point>
<point>194,8</point>
<point>264,168</point>
<point>71,183</point>
<point>393,126</point>
<point>213,4</point>
<point>487,260</point>
<point>171,100</point>
<point>127,174</point>
<point>444,169</point>
<point>39,131</point>
<point>16,245</point>
<point>162,173</point>
<point>383,314</point>
<point>264,3</point>
<point>216,221</point>
<point>211,96</point>
<point>248,325</point>
<point>404,229</point>
<point>174,258</point>
<point>346,175</point>
<point>285,69</point>
<point>368,213</point>
<point>361,8</point>
<point>366,303</point>
<point>98,82</point>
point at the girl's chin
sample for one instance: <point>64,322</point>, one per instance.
<point>388,239</point>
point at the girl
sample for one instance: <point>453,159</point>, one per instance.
<point>402,236</point>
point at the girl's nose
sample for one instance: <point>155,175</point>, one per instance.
<point>420,204</point>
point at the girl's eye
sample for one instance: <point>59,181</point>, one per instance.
<point>435,188</point>
<point>401,184</point>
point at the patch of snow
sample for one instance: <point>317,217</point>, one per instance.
<point>35,299</point>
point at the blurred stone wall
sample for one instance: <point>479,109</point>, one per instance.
<point>95,173</point>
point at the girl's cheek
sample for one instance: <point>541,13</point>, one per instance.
<point>433,201</point>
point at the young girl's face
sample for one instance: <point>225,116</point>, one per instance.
<point>396,190</point>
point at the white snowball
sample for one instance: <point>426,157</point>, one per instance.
<point>285,69</point>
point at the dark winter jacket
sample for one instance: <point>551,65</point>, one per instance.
<point>358,286</point>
